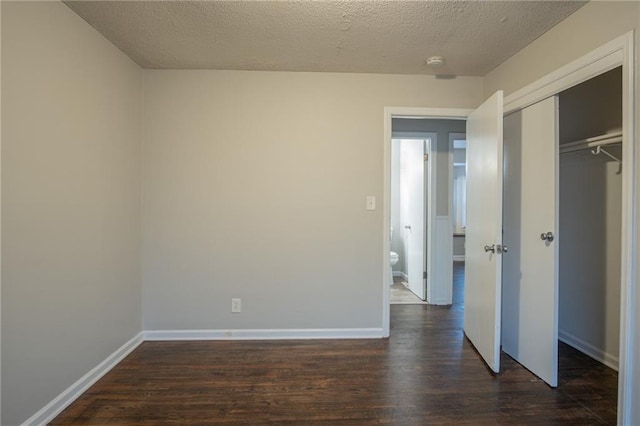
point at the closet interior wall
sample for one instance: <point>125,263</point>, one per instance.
<point>590,219</point>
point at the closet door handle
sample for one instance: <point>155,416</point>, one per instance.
<point>547,236</point>
<point>491,248</point>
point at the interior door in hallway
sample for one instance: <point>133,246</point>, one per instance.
<point>483,266</point>
<point>412,166</point>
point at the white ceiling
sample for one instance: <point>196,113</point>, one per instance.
<point>336,36</point>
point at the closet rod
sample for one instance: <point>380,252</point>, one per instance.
<point>587,143</point>
<point>594,138</point>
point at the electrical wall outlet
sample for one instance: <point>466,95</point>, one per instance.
<point>236,305</point>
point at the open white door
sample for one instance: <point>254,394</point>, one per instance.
<point>530,276</point>
<point>483,265</point>
<point>412,167</point>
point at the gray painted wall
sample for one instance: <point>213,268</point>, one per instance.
<point>255,186</point>
<point>70,202</point>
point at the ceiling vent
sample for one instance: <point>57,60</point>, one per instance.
<point>435,61</point>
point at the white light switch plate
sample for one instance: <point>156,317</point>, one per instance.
<point>371,202</point>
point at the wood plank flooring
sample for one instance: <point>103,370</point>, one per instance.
<point>425,373</point>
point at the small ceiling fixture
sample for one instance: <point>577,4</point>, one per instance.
<point>435,61</point>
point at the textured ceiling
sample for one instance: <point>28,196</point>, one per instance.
<point>336,36</point>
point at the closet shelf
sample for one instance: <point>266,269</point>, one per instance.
<point>596,141</point>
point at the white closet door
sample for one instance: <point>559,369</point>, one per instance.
<point>530,274</point>
<point>483,268</point>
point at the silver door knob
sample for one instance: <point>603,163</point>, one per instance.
<point>548,236</point>
<point>502,249</point>
<point>491,248</point>
<point>407,227</point>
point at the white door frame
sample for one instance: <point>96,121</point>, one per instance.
<point>618,52</point>
<point>430,139</point>
<point>389,113</point>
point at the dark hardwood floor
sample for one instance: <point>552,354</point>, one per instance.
<point>425,373</point>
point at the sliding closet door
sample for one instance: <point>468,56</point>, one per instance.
<point>530,268</point>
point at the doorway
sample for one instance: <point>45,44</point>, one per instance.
<point>457,206</point>
<point>411,199</point>
<point>437,126</point>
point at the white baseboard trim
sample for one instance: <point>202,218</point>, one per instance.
<point>62,401</point>
<point>588,349</point>
<point>458,257</point>
<point>264,334</point>
<point>401,275</point>
<point>73,392</point>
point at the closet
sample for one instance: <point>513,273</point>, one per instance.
<point>590,216</point>
<point>562,215</point>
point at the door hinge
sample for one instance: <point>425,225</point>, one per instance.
<point>426,157</point>
<point>424,275</point>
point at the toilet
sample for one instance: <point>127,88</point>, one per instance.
<point>393,258</point>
